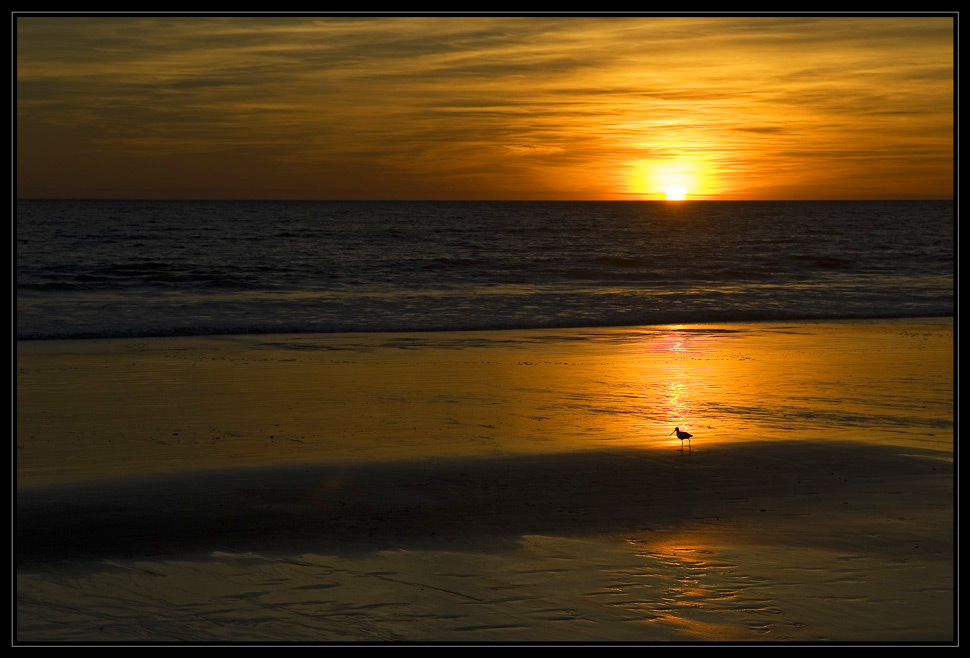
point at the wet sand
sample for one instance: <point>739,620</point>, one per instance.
<point>490,487</point>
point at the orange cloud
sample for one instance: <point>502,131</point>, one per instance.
<point>484,107</point>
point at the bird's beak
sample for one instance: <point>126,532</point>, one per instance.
<point>671,432</point>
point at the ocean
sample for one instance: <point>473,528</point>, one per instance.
<point>103,269</point>
<point>282,447</point>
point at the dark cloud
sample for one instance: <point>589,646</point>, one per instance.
<point>765,130</point>
<point>456,98</point>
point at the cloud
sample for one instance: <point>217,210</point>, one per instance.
<point>532,149</point>
<point>428,97</point>
<point>762,130</point>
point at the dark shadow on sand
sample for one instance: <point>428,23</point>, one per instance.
<point>466,504</point>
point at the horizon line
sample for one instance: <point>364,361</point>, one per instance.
<point>440,200</point>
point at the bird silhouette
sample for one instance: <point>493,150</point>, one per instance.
<point>683,436</point>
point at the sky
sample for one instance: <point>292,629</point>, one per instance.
<point>485,107</point>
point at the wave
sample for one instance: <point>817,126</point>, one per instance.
<point>284,327</point>
<point>278,267</point>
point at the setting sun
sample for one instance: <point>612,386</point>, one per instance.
<point>674,178</point>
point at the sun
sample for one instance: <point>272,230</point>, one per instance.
<point>674,178</point>
<point>675,193</point>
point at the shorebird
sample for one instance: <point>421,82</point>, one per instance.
<point>683,436</point>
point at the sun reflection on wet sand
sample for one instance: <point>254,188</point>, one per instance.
<point>700,598</point>
<point>288,399</point>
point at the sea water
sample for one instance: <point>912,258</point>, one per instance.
<point>97,269</point>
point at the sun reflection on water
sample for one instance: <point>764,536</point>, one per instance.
<point>677,391</point>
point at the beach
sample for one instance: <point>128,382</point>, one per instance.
<point>591,330</point>
<point>516,486</point>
